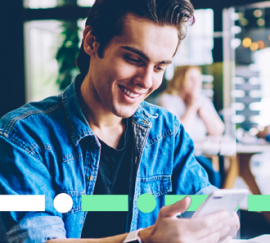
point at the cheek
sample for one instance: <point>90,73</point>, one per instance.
<point>157,80</point>
<point>188,87</point>
<point>124,71</point>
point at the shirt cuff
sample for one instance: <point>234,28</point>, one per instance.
<point>38,229</point>
<point>206,190</point>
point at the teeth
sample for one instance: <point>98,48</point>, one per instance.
<point>128,93</point>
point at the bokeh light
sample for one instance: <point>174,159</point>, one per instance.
<point>246,42</point>
<point>261,44</point>
<point>244,22</point>
<point>261,22</point>
<point>254,46</point>
<point>257,13</point>
<point>240,15</point>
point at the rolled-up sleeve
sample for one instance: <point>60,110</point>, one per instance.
<point>23,172</point>
<point>207,190</point>
<point>37,229</point>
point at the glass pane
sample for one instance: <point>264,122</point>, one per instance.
<point>42,40</point>
<point>81,25</point>
<point>47,3</point>
<point>85,3</point>
<point>40,3</point>
<point>250,47</point>
<point>197,47</point>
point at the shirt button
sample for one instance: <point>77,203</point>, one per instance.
<point>90,178</point>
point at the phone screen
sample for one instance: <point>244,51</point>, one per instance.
<point>221,200</point>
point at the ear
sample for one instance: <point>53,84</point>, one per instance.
<point>90,44</point>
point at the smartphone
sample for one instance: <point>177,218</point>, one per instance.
<point>221,200</point>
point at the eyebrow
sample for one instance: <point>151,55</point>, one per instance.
<point>134,50</point>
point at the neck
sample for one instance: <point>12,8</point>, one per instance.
<point>105,125</point>
<point>96,114</point>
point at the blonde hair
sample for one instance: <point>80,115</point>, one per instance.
<point>179,79</point>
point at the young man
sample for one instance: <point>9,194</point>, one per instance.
<point>100,137</point>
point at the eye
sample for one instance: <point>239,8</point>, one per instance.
<point>159,69</point>
<point>133,60</point>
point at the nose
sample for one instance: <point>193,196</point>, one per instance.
<point>144,77</point>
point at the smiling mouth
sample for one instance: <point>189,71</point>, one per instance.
<point>129,93</point>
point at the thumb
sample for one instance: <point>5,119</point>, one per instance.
<point>176,208</point>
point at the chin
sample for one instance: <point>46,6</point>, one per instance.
<point>125,112</point>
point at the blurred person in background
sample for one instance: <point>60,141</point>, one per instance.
<point>197,113</point>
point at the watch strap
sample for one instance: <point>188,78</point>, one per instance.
<point>133,237</point>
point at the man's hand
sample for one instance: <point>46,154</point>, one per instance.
<point>214,228</point>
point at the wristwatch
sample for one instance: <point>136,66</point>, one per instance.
<point>133,237</point>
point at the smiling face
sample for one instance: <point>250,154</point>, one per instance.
<point>132,66</point>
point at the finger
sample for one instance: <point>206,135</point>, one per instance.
<point>176,208</point>
<point>214,237</point>
<point>225,239</point>
<point>236,225</point>
<point>235,215</point>
<point>213,219</point>
<point>210,226</point>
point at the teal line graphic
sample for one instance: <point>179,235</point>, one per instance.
<point>258,203</point>
<point>105,203</point>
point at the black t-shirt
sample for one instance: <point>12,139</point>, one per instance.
<point>113,178</point>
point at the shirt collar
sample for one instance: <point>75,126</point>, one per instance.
<point>78,124</point>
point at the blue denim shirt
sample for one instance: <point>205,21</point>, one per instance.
<point>48,148</point>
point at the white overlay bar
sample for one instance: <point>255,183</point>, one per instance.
<point>22,203</point>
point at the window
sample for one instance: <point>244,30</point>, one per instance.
<point>249,47</point>
<point>85,3</point>
<point>196,48</point>
<point>43,38</point>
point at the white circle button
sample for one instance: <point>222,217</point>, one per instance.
<point>63,203</point>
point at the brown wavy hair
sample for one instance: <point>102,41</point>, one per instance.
<point>179,79</point>
<point>107,17</point>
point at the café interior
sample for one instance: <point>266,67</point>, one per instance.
<point>230,42</point>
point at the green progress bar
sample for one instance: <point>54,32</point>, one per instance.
<point>120,202</point>
<point>105,203</point>
<point>196,200</point>
<point>259,203</point>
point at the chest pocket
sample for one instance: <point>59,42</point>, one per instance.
<point>156,185</point>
